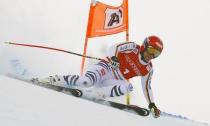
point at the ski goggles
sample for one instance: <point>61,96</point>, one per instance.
<point>152,51</point>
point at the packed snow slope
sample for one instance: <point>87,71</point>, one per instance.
<point>23,104</point>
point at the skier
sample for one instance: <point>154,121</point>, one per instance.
<point>109,77</point>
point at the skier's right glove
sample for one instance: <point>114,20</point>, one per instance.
<point>154,110</point>
<point>114,62</point>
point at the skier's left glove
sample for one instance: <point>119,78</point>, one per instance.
<point>154,110</point>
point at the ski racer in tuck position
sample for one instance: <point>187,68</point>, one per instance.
<point>109,77</point>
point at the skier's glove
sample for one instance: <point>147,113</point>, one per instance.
<point>114,62</point>
<point>154,110</point>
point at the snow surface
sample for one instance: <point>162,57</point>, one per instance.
<point>23,104</point>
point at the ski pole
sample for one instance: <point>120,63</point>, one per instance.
<point>50,48</point>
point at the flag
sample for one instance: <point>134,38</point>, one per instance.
<point>106,20</point>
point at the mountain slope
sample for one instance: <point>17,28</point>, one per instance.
<point>24,104</point>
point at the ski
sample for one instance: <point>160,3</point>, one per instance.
<point>129,108</point>
<point>74,92</point>
<point>80,93</point>
<point>34,81</point>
